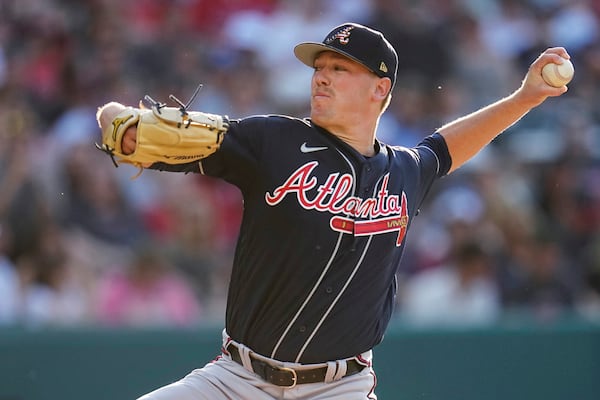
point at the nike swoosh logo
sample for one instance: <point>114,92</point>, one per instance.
<point>309,149</point>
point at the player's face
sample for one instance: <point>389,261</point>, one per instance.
<point>341,89</point>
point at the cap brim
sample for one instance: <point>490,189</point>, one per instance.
<point>308,51</point>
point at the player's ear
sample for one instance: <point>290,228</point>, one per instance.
<point>382,88</point>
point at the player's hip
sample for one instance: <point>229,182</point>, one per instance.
<point>351,378</point>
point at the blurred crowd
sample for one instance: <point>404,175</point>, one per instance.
<point>514,232</point>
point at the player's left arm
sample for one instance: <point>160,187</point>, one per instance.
<point>467,135</point>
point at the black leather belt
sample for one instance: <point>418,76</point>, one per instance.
<point>288,377</point>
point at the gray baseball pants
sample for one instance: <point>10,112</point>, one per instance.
<point>225,379</point>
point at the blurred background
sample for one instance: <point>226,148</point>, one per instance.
<point>511,238</point>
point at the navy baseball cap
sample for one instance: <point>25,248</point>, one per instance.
<point>358,42</point>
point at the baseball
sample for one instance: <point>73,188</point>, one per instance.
<point>558,75</point>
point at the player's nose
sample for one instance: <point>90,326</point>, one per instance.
<point>320,77</point>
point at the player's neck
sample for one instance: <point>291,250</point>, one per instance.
<point>359,137</point>
<point>363,145</point>
<point>366,148</point>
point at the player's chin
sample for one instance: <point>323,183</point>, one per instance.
<point>318,117</point>
<point>319,107</point>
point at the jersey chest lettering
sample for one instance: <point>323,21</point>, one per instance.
<point>384,213</point>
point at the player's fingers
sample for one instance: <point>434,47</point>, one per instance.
<point>556,53</point>
<point>129,141</point>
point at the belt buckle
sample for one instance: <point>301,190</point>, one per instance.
<point>294,376</point>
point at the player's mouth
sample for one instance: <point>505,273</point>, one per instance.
<point>320,95</point>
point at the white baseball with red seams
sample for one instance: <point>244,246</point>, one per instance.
<point>558,75</point>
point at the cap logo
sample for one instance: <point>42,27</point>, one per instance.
<point>343,36</point>
<point>383,67</point>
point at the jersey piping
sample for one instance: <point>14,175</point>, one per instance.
<point>435,155</point>
<point>321,277</point>
<point>310,295</point>
<point>354,271</point>
<point>358,264</point>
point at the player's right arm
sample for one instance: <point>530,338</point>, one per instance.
<point>469,134</point>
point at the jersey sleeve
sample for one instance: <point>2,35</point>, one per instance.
<point>238,157</point>
<point>431,161</point>
<point>436,144</point>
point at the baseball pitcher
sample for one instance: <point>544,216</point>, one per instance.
<point>327,207</point>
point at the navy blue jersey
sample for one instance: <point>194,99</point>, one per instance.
<point>322,234</point>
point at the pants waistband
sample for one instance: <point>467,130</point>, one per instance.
<point>289,377</point>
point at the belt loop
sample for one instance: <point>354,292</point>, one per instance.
<point>342,367</point>
<point>245,356</point>
<point>365,358</point>
<point>226,340</point>
<point>330,373</point>
<point>225,337</point>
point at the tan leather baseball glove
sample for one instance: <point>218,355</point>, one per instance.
<point>164,134</point>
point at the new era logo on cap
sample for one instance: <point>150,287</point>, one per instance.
<point>358,42</point>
